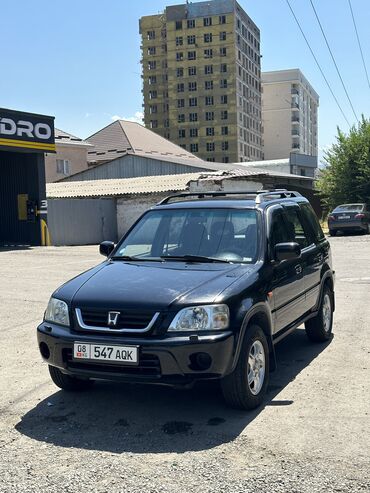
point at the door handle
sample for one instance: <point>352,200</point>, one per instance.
<point>298,269</point>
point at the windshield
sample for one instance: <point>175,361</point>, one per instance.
<point>349,207</point>
<point>227,234</point>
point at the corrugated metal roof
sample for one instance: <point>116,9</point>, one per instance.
<point>153,184</point>
<point>122,137</point>
<point>119,187</point>
<point>62,137</point>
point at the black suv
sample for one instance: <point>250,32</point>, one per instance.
<point>201,287</point>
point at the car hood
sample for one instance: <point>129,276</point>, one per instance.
<point>119,284</point>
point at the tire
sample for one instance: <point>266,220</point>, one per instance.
<point>66,382</point>
<point>332,232</point>
<point>237,392</point>
<point>319,328</point>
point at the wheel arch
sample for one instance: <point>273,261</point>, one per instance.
<point>259,314</point>
<point>327,280</point>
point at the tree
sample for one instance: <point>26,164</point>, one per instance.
<point>346,177</point>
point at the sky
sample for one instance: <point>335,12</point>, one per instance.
<point>79,60</point>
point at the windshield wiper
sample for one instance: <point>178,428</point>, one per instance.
<point>194,258</point>
<point>135,259</point>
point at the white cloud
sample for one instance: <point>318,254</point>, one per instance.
<point>137,118</point>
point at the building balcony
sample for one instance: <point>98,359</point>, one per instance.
<point>295,106</point>
<point>295,119</point>
<point>295,146</point>
<point>294,91</point>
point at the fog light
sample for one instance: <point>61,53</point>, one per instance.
<point>200,361</point>
<point>44,350</point>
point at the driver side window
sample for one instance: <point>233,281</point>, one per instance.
<point>296,229</point>
<point>278,230</point>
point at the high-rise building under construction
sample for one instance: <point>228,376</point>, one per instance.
<point>202,79</point>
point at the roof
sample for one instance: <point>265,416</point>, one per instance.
<point>154,184</point>
<point>240,172</point>
<point>62,137</point>
<point>123,137</point>
<point>119,187</point>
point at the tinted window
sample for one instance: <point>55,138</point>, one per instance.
<point>296,229</point>
<point>311,219</point>
<point>278,231</point>
<point>223,233</point>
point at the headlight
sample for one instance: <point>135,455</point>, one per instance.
<point>57,312</point>
<point>206,317</point>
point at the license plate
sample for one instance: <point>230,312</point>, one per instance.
<point>102,352</point>
<point>344,217</point>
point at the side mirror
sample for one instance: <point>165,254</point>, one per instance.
<point>287,251</point>
<point>106,248</point>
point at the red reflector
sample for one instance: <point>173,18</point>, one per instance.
<point>359,216</point>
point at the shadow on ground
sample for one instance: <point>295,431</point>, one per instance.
<point>141,419</point>
<point>12,248</point>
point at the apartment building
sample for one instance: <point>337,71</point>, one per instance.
<point>289,114</point>
<point>202,79</point>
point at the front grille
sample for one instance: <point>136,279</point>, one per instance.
<point>128,318</point>
<point>149,366</point>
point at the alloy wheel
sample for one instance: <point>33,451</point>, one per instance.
<point>256,367</point>
<point>326,312</point>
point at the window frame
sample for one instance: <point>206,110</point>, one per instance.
<point>65,165</point>
<point>307,232</point>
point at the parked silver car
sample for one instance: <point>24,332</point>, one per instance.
<point>349,217</point>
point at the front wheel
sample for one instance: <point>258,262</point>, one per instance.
<point>66,382</point>
<point>245,388</point>
<point>319,328</point>
<point>332,232</point>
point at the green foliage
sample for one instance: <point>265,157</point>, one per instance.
<point>346,177</point>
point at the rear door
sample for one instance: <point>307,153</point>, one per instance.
<point>317,254</point>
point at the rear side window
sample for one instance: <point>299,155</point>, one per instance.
<point>311,219</point>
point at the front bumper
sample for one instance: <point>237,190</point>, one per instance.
<point>168,360</point>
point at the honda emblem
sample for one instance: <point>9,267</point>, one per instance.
<point>113,318</point>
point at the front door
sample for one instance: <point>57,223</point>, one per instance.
<point>288,288</point>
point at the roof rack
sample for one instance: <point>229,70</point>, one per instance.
<point>258,195</point>
<point>276,194</point>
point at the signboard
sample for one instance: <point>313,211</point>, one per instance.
<point>26,131</point>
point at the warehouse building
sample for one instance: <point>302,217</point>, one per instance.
<point>91,211</point>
